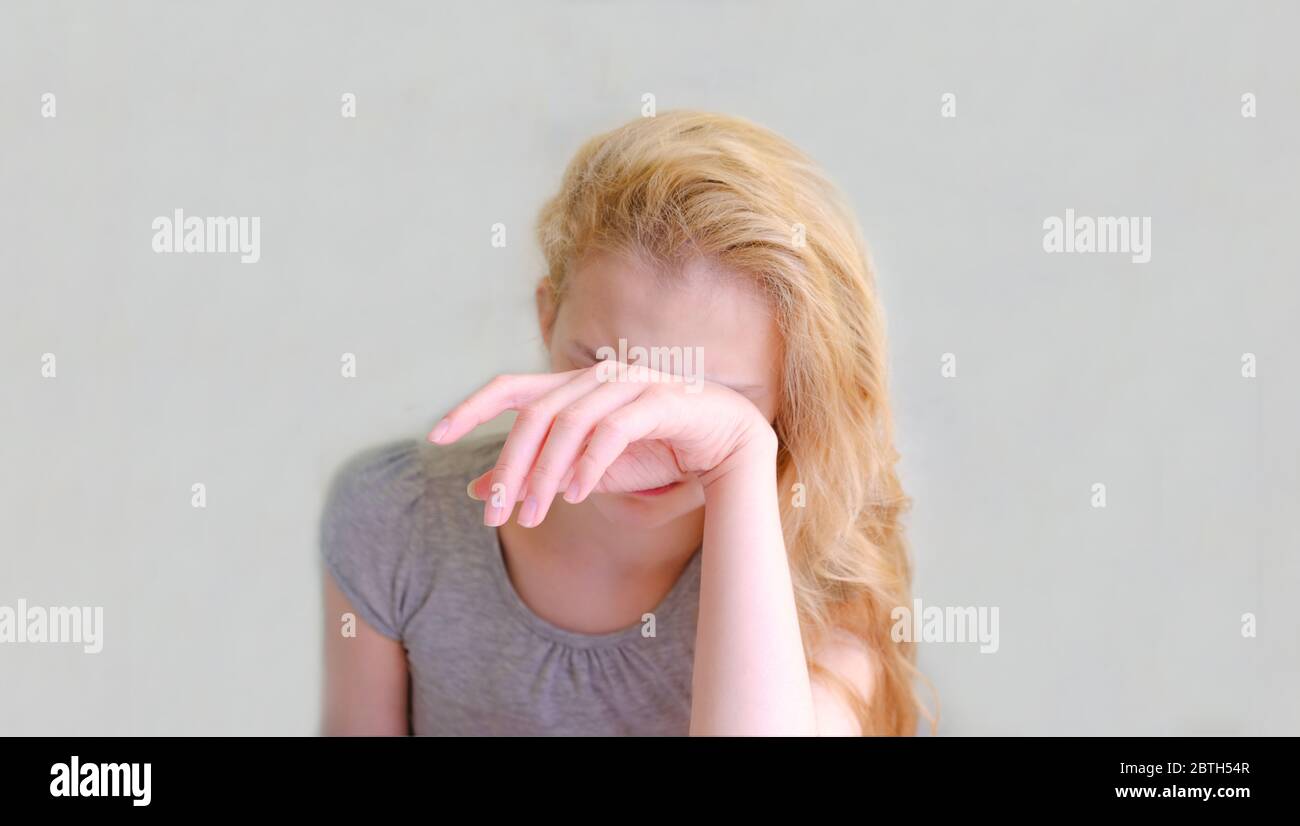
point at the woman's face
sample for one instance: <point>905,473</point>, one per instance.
<point>704,323</point>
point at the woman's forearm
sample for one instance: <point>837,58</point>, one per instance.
<point>750,676</point>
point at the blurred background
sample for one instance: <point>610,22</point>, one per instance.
<point>1071,370</point>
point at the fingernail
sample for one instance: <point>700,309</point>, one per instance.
<point>571,494</point>
<point>528,512</point>
<point>470,490</point>
<point>440,431</point>
<point>493,516</point>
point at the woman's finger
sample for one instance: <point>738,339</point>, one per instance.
<point>524,443</point>
<point>506,392</point>
<point>564,443</point>
<point>481,487</point>
<point>642,419</point>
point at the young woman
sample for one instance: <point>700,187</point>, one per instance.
<point>707,546</point>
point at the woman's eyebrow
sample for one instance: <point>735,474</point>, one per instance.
<point>583,350</point>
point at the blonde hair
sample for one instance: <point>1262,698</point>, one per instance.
<point>687,184</point>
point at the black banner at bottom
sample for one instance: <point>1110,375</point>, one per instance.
<point>137,776</point>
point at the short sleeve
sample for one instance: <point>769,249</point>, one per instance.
<point>369,528</point>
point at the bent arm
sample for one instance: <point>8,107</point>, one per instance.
<point>751,675</point>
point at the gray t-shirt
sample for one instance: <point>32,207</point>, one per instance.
<point>409,549</point>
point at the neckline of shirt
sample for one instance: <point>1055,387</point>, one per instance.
<point>577,639</point>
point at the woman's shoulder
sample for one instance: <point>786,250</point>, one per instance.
<point>384,505</point>
<point>390,479</point>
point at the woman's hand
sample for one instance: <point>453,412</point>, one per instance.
<point>606,428</point>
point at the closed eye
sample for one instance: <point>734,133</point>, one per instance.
<point>582,356</point>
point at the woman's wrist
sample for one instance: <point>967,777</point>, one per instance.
<point>753,460</point>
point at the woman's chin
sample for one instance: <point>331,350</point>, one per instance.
<point>651,508</point>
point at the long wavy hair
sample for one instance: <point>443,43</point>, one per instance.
<point>694,184</point>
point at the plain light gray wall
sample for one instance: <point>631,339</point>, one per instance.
<point>1072,370</point>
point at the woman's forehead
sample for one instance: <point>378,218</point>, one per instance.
<point>731,323</point>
